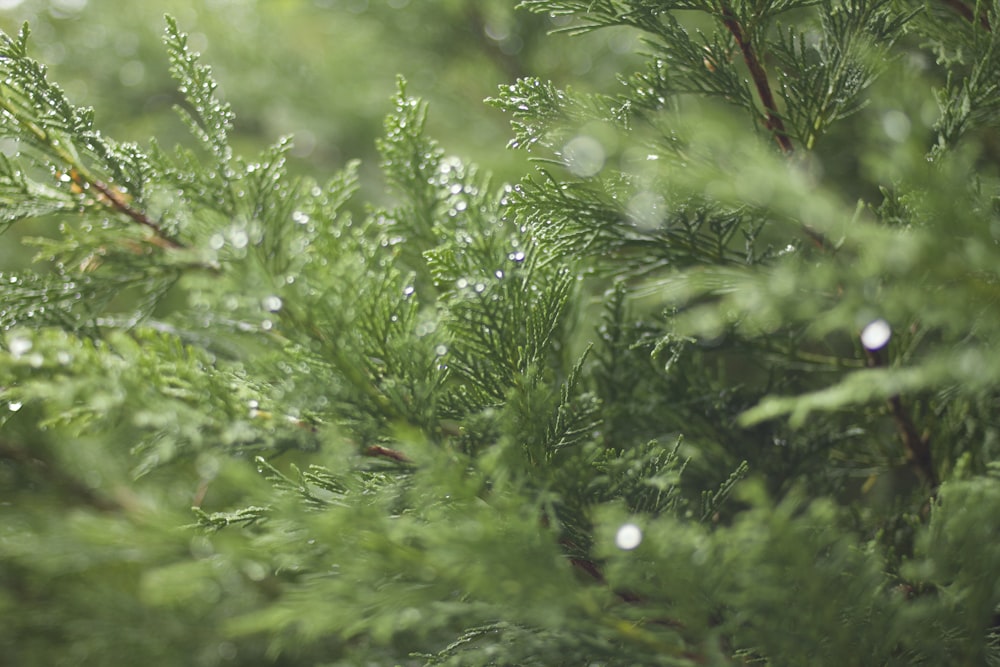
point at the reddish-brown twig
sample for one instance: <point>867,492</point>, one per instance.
<point>113,198</point>
<point>916,447</point>
<point>969,14</point>
<point>386,453</point>
<point>758,75</point>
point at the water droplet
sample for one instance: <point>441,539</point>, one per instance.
<point>300,217</point>
<point>271,303</point>
<point>216,241</point>
<point>480,287</point>
<point>267,325</point>
<point>14,406</point>
<point>441,350</point>
<point>240,238</point>
<point>19,345</point>
<point>462,283</point>
<point>408,290</point>
<point>876,335</point>
<point>499,273</point>
<point>628,537</point>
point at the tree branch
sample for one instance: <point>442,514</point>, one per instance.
<point>384,452</point>
<point>969,14</point>
<point>915,446</point>
<point>773,120</point>
<point>58,478</point>
<point>113,198</point>
<point>82,178</point>
<point>119,203</point>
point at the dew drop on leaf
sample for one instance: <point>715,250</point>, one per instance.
<point>271,303</point>
<point>628,537</point>
<point>876,335</point>
<point>19,345</point>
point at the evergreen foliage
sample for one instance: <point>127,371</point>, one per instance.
<point>714,384</point>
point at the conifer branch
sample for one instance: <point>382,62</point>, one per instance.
<point>83,178</point>
<point>773,120</point>
<point>115,199</point>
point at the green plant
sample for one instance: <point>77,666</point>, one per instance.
<point>713,385</point>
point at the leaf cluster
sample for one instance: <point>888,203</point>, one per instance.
<point>628,411</point>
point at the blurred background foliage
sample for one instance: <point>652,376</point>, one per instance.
<point>320,70</point>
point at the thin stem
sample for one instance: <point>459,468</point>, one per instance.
<point>773,120</point>
<point>120,204</point>
<point>385,452</point>
<point>969,14</point>
<point>915,446</point>
<point>83,177</point>
<point>57,478</point>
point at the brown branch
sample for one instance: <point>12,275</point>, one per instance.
<point>592,571</point>
<point>119,204</point>
<point>773,120</point>
<point>969,14</point>
<point>113,198</point>
<point>386,453</point>
<point>916,447</point>
<point>58,478</point>
<point>82,178</point>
